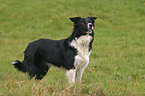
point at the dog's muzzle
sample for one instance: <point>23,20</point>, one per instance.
<point>90,26</point>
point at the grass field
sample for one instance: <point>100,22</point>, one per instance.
<point>117,61</point>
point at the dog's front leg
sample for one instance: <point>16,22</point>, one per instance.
<point>70,74</point>
<point>79,74</point>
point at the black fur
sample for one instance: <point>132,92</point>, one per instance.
<point>40,53</point>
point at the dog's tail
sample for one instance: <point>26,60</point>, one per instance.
<point>19,65</point>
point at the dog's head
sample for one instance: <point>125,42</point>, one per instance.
<point>83,25</point>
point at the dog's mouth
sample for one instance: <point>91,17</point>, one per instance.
<point>88,32</point>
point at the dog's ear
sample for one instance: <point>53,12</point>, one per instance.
<point>75,19</point>
<point>92,18</point>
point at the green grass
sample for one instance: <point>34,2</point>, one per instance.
<point>117,61</point>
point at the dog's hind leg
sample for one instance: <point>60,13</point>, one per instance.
<point>42,71</point>
<point>39,71</point>
<point>41,65</point>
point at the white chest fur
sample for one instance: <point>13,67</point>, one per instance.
<point>82,46</point>
<point>81,59</point>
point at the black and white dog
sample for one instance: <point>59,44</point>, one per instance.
<point>71,53</point>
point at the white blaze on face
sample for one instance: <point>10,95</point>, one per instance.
<point>91,27</point>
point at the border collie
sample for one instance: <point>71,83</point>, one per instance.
<point>71,53</point>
